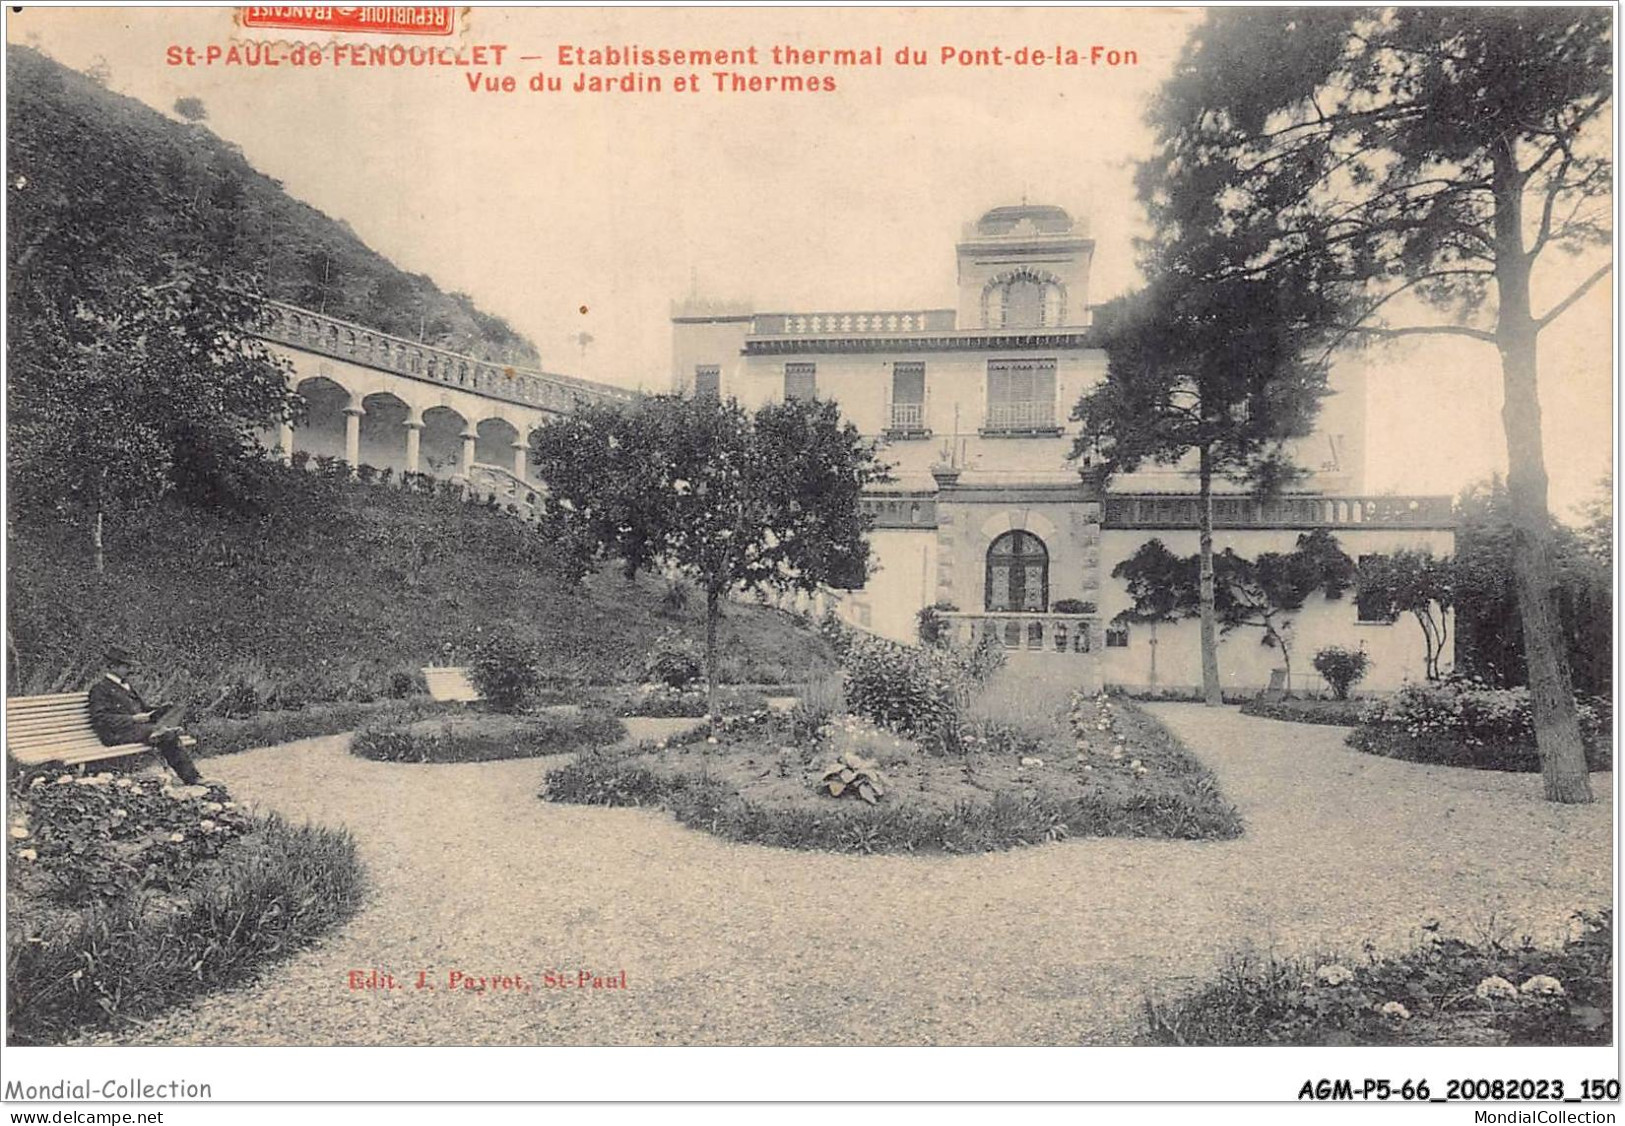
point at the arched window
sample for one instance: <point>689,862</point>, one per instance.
<point>1018,573</point>
<point>1023,298</point>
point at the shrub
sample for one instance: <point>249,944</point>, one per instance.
<point>505,671</point>
<point>1463,723</point>
<point>930,625</point>
<point>820,702</point>
<point>407,682</point>
<point>1342,668</point>
<point>674,661</point>
<point>1073,606</point>
<point>985,658</point>
<point>99,837</point>
<point>916,692</point>
<point>1335,713</point>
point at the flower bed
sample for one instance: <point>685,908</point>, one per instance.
<point>128,895</point>
<point>269,729</point>
<point>1334,713</point>
<point>1463,723</point>
<point>487,737</point>
<point>1446,991</point>
<point>764,778</point>
<point>663,701</point>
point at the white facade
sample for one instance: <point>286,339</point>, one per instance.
<point>970,403</point>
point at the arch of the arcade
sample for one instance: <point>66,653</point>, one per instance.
<point>369,417</point>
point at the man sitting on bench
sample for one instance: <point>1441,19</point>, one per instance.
<point>119,715</point>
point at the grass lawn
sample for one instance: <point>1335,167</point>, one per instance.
<point>340,592</point>
<point>765,778</point>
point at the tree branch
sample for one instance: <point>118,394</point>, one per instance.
<point>1580,291</point>
<point>1423,330</point>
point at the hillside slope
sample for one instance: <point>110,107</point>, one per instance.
<point>335,587</point>
<point>77,149</point>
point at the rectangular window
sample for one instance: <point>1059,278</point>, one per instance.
<point>707,381</point>
<point>1370,611</point>
<point>908,397</point>
<point>1021,395</point>
<point>800,381</point>
<point>1117,637</point>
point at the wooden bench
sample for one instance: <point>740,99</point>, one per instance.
<point>41,729</point>
<point>449,683</point>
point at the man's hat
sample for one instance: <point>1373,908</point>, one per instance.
<point>118,655</point>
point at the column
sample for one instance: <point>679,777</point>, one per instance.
<point>521,458</point>
<point>470,436</point>
<point>352,435</point>
<point>414,436</point>
<point>284,442</point>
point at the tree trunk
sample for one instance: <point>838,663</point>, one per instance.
<point>1153,684</point>
<point>1212,696</point>
<point>711,607</point>
<point>1551,691</point>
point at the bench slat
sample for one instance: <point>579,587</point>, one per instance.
<point>45,701</point>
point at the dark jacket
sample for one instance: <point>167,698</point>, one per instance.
<point>113,709</point>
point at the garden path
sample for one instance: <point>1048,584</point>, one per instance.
<point>725,944</point>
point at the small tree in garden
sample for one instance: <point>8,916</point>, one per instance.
<point>1266,592</point>
<point>733,500</point>
<point>1163,586</point>
<point>1342,668</point>
<point>1413,582</point>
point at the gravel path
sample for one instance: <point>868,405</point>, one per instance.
<point>732,944</point>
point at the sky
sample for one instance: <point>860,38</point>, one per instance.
<point>590,213</point>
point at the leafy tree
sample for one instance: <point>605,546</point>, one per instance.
<point>732,499</point>
<point>1264,593</point>
<point>1214,368</point>
<point>1416,583</point>
<point>132,371</point>
<point>1597,528</point>
<point>191,108</point>
<point>1408,159</point>
<point>1489,631</point>
<point>1162,587</point>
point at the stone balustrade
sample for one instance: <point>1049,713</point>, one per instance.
<point>1152,511</point>
<point>329,336</point>
<point>1050,633</point>
<point>846,324</point>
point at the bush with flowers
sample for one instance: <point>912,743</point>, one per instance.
<point>1444,991</point>
<point>919,693</point>
<point>95,838</point>
<point>1464,722</point>
<point>130,894</point>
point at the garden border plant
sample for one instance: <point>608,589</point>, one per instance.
<point>1444,991</point>
<point>147,897</point>
<point>479,737</point>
